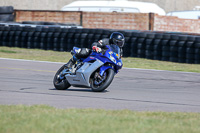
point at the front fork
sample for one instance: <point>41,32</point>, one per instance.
<point>98,78</point>
<point>101,75</point>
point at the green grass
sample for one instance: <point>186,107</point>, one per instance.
<point>44,55</point>
<point>7,51</point>
<point>35,54</point>
<point>45,119</point>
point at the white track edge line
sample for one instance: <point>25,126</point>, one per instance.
<point>32,61</point>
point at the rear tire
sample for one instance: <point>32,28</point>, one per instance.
<point>60,84</point>
<point>109,77</point>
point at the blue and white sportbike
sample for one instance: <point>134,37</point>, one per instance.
<point>96,71</point>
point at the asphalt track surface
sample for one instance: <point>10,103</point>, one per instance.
<point>30,83</point>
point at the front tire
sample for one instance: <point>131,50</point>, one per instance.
<point>60,84</point>
<point>107,81</point>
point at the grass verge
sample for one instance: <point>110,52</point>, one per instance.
<point>42,118</point>
<point>7,51</point>
<point>45,55</point>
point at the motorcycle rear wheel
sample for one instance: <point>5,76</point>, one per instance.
<point>60,84</point>
<point>108,79</point>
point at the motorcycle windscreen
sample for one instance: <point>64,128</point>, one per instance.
<point>115,49</point>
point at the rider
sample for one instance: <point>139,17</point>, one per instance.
<point>116,38</point>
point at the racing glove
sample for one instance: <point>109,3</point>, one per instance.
<point>97,49</point>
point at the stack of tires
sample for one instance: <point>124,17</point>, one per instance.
<point>157,48</point>
<point>6,14</point>
<point>43,38</point>
<point>83,38</point>
<point>190,52</point>
<point>36,37</point>
<point>126,49</point>
<point>141,47</point>
<point>149,42</point>
<point>70,39</point>
<point>5,36</point>
<point>182,44</point>
<point>63,39</point>
<point>165,47</point>
<point>174,47</point>
<point>24,37</point>
<point>11,39</point>
<point>98,34</point>
<point>30,38</point>
<point>197,50</point>
<point>17,37</point>
<point>133,44</point>
<point>77,38</point>
<point>57,39</point>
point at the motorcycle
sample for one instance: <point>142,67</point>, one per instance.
<point>96,71</point>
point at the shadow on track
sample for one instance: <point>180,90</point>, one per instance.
<point>81,90</point>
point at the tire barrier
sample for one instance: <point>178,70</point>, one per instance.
<point>165,46</point>
<point>6,14</point>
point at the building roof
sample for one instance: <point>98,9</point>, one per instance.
<point>193,14</point>
<point>142,7</point>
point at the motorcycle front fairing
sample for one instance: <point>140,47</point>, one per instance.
<point>98,56</point>
<point>109,58</point>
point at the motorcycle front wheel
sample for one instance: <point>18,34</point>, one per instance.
<point>60,84</point>
<point>100,83</point>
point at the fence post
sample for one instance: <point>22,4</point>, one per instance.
<point>151,21</point>
<point>81,18</point>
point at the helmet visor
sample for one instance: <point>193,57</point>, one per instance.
<point>119,43</point>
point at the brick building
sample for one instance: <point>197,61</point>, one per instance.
<point>128,21</point>
<point>167,5</point>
